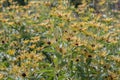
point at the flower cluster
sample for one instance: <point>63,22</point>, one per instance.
<point>40,41</point>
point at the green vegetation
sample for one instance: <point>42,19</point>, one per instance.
<point>57,40</point>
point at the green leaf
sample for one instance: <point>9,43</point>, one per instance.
<point>88,61</point>
<point>9,78</point>
<point>6,64</point>
<point>2,49</point>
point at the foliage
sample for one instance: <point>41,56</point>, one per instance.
<point>43,42</point>
<point>7,3</point>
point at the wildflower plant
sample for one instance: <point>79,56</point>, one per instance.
<point>46,41</point>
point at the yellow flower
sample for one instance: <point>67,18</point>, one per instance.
<point>85,18</point>
<point>1,31</point>
<point>116,58</point>
<point>102,2</point>
<point>47,3</point>
<point>10,23</point>
<point>11,52</point>
<point>14,43</point>
<point>26,41</point>
<point>32,46</point>
<point>91,9</point>
<point>113,75</point>
<point>5,20</point>
<point>103,54</point>
<point>108,20</point>
<point>114,1</point>
<point>15,70</point>
<point>35,39</point>
<point>16,35</point>
<point>39,48</point>
<point>1,76</point>
<point>114,41</point>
